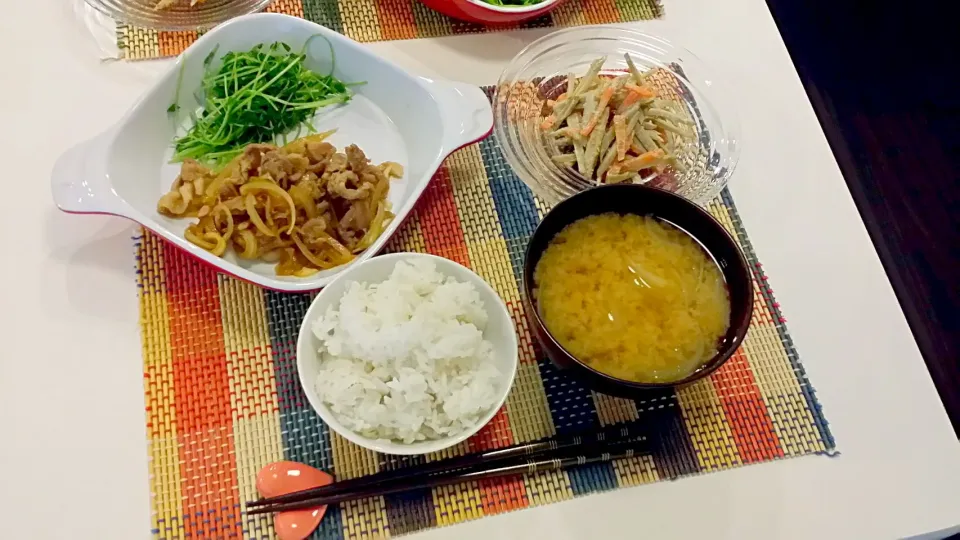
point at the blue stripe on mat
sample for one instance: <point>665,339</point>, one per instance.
<point>516,209</point>
<point>591,478</point>
<point>571,404</point>
<point>660,419</point>
<point>305,437</point>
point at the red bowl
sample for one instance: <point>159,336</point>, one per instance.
<point>478,11</point>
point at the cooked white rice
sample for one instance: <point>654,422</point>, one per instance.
<point>405,359</point>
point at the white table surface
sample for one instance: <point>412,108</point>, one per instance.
<point>72,439</point>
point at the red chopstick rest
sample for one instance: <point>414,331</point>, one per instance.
<point>284,477</point>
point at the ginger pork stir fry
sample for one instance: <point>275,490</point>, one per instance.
<point>304,206</point>
<point>615,129</point>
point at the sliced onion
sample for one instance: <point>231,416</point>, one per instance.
<point>251,203</point>
<point>274,189</point>
<point>220,243</point>
<point>304,200</point>
<point>268,213</point>
<point>211,195</point>
<point>210,241</point>
<point>199,240</point>
<point>316,261</point>
<point>222,209</point>
<point>249,242</point>
<point>345,254</point>
<point>377,226</point>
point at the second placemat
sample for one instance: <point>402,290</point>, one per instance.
<point>384,20</point>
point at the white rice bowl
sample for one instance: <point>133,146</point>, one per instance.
<point>407,360</point>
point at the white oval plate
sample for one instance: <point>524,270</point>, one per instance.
<point>395,116</point>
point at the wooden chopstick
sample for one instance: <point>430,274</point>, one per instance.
<point>620,449</point>
<point>528,450</point>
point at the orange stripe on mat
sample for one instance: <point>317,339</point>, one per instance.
<point>201,388</point>
<point>498,495</point>
<point>193,307</point>
<point>502,495</point>
<point>600,11</point>
<point>396,20</point>
<point>496,434</point>
<point>529,347</point>
<point>289,7</point>
<point>746,411</point>
<point>439,221</point>
<point>209,484</point>
<point>174,43</point>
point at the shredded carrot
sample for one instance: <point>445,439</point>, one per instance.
<point>632,97</point>
<point>642,161</point>
<point>604,101</point>
<point>643,91</point>
<point>636,148</point>
<point>636,93</point>
<point>548,122</point>
<point>561,97</point>
<point>551,103</point>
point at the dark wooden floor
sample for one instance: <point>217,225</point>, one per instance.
<point>884,78</point>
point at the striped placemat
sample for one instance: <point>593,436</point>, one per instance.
<point>223,398</point>
<point>383,20</point>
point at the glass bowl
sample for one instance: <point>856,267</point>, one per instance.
<point>539,73</point>
<point>179,15</point>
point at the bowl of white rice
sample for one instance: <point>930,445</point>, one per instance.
<point>407,353</point>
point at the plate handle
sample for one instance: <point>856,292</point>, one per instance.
<point>466,112</point>
<point>79,182</point>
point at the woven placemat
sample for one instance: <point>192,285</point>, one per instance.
<point>384,20</point>
<point>223,397</point>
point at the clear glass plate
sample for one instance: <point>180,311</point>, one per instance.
<point>539,73</point>
<point>178,16</point>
